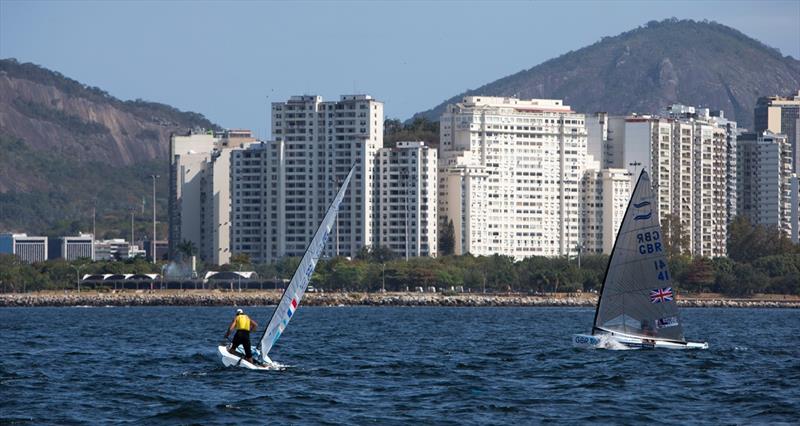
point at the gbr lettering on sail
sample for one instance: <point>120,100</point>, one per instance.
<point>649,242</point>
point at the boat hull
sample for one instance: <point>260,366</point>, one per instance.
<point>230,360</point>
<point>623,342</point>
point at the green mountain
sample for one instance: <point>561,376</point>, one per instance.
<point>650,67</point>
<point>66,149</point>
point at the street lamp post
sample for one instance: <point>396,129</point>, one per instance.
<point>133,211</point>
<point>77,275</point>
<point>383,279</point>
<point>635,166</point>
<point>154,177</point>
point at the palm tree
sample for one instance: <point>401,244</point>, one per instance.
<point>188,248</point>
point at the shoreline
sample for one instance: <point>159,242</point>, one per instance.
<point>265,298</point>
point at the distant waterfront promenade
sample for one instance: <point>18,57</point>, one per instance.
<point>254,298</point>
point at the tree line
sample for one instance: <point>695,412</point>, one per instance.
<point>761,260</point>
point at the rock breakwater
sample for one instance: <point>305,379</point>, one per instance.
<point>218,298</point>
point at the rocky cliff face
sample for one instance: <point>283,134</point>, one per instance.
<point>65,147</point>
<point>53,113</point>
<point>648,68</point>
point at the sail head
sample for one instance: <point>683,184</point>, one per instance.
<point>637,297</point>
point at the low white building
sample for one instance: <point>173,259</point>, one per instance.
<point>114,249</point>
<point>27,248</point>
<point>407,222</point>
<point>78,247</point>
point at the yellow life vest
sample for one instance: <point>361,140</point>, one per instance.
<point>242,322</point>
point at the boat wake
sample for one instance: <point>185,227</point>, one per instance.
<point>610,342</point>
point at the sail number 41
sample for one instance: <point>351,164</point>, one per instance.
<point>661,268</point>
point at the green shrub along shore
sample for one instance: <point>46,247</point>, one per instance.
<point>760,261</point>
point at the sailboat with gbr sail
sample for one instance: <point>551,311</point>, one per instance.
<point>637,307</point>
<point>292,295</point>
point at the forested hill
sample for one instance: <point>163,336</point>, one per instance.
<point>650,67</point>
<point>66,147</point>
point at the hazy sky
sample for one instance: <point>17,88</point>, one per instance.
<point>227,60</point>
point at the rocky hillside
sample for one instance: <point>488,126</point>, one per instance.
<point>66,147</point>
<point>643,70</point>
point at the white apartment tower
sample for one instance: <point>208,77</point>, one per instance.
<point>320,142</point>
<point>510,174</point>
<point>407,222</point>
<point>199,204</point>
<point>766,181</point>
<point>732,132</point>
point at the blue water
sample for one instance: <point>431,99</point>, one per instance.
<point>383,365</point>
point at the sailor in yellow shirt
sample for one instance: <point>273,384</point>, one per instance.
<point>243,326</point>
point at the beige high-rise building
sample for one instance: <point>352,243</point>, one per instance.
<point>510,173</point>
<point>200,191</point>
<point>407,222</point>
<point>781,115</point>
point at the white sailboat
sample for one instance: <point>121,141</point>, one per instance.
<point>292,295</point>
<point>637,307</point>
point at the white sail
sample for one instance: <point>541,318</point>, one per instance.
<point>297,287</point>
<point>637,297</point>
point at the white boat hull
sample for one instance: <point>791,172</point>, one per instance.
<point>624,342</point>
<point>230,360</point>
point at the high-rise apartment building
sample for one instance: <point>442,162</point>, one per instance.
<point>407,222</point>
<point>28,249</point>
<point>604,198</point>
<point>199,205</point>
<point>258,212</point>
<point>766,181</point>
<point>510,174</point>
<point>732,132</point>
<point>320,142</point>
<point>686,153</point>
<point>781,115</point>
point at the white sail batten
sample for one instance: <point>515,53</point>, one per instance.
<point>637,297</point>
<point>302,275</point>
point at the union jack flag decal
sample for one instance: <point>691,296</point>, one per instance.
<point>661,295</point>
